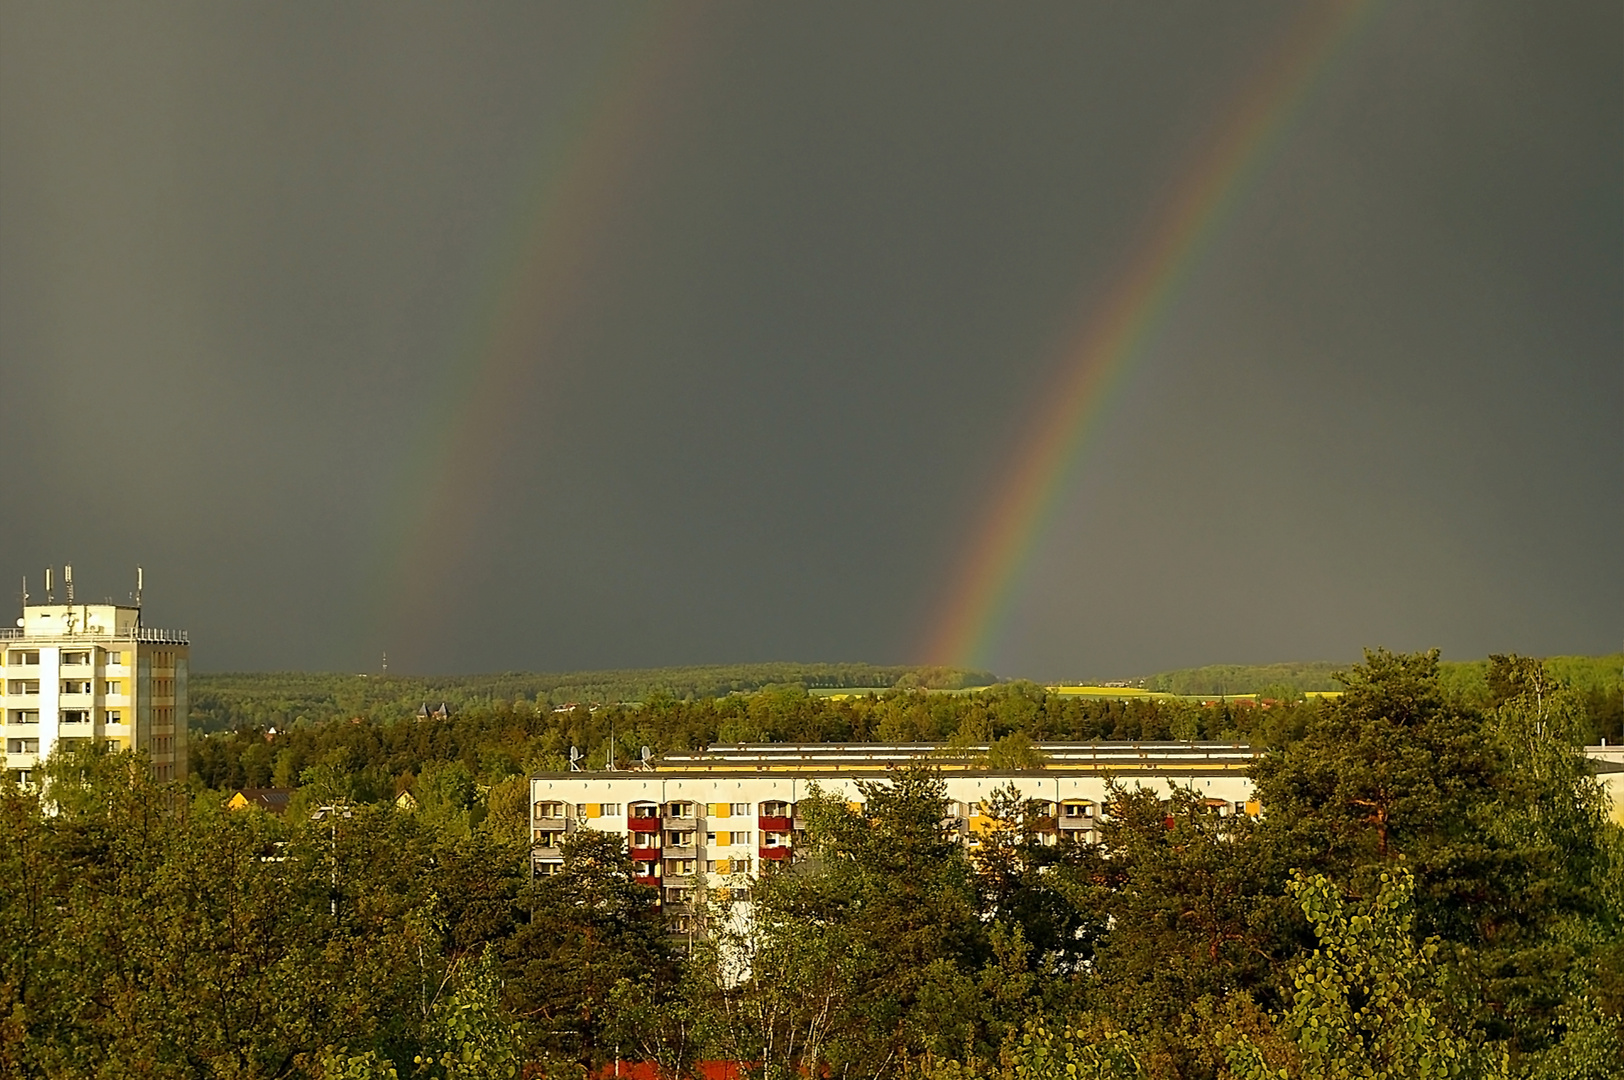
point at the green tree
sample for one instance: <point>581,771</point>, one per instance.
<point>865,953</point>
<point>1369,1002</point>
<point>587,930</point>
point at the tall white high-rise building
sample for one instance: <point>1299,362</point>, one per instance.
<point>92,673</point>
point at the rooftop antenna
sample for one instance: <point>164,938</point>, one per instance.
<point>575,759</point>
<point>609,763</point>
<point>49,599</point>
<point>386,662</point>
<point>67,580</point>
<point>138,582</point>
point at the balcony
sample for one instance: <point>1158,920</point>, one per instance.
<point>688,823</point>
<point>776,854</point>
<point>644,825</point>
<point>551,824</point>
<point>775,824</point>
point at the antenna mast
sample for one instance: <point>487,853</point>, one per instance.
<point>67,579</point>
<point>138,583</point>
<point>49,599</point>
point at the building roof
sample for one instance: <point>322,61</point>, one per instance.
<point>274,799</point>
<point>835,759</point>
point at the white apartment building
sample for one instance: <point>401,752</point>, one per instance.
<point>91,673</point>
<point>702,820</point>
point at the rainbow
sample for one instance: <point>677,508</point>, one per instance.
<point>535,281</point>
<point>1097,358</point>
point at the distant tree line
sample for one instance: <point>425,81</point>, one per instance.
<point>1434,890</point>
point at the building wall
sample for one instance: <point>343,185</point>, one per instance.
<point>733,827</point>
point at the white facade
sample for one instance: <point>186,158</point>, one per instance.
<point>688,828</point>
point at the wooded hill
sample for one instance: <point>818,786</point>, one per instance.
<point>228,700</point>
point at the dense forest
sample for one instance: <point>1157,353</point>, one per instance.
<point>375,748</point>
<point>1433,890</point>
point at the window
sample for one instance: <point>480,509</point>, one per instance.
<point>25,716</point>
<point>115,659</point>
<point>710,866</point>
<point>75,659</point>
<point>112,687</point>
<point>76,716</point>
<point>611,809</point>
<point>1078,810</point>
<point>22,746</point>
<point>680,809</point>
<point>739,838</point>
<point>775,839</point>
<point>741,808</point>
<point>645,840</point>
<point>114,716</point>
<point>679,866</point>
<point>22,686</point>
<point>21,657</point>
<point>549,809</point>
<point>775,809</point>
<point>548,837</point>
<point>549,868</point>
<point>740,895</point>
<point>710,839</point>
<point>679,838</point>
<point>645,810</point>
<point>646,868</point>
<point>76,686</point>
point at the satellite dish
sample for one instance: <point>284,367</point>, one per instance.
<point>646,755</point>
<point>575,759</point>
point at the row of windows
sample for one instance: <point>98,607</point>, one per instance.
<point>81,658</point>
<point>684,838</point>
<point>679,867</point>
<point>24,687</point>
<point>68,716</point>
<point>550,808</point>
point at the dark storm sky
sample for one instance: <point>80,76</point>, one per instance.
<point>809,268</point>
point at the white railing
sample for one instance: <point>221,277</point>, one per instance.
<point>129,633</point>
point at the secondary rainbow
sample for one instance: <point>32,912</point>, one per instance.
<point>1121,327</point>
<point>533,284</point>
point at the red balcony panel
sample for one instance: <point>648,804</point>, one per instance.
<point>774,824</point>
<point>651,882</point>
<point>776,852</point>
<point>643,824</point>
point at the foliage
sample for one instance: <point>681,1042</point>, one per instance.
<point>1432,863</point>
<point>1369,1002</point>
<point>282,699</point>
